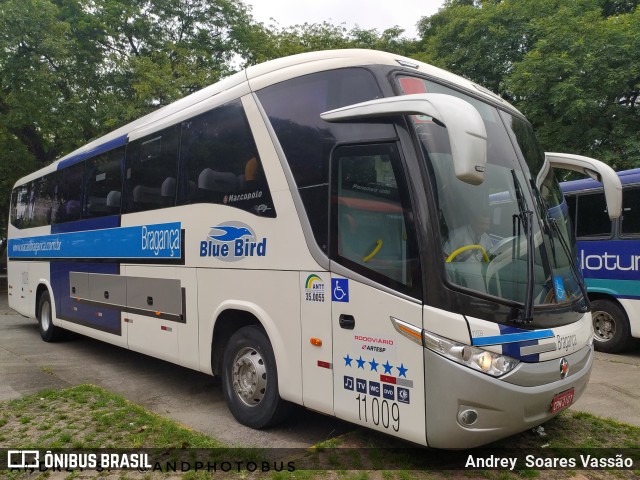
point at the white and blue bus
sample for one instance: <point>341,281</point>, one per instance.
<point>323,230</point>
<point>609,257</point>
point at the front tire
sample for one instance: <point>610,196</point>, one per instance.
<point>48,331</point>
<point>611,331</point>
<point>250,379</point>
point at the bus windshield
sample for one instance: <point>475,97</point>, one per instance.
<point>507,237</point>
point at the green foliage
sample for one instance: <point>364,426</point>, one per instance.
<point>72,70</point>
<point>580,84</point>
<point>572,67</point>
<point>269,42</point>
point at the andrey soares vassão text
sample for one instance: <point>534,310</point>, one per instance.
<point>617,461</point>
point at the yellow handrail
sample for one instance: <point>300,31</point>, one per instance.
<point>375,251</point>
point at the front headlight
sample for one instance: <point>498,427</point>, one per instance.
<point>475,358</point>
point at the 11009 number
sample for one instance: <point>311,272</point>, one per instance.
<point>383,412</point>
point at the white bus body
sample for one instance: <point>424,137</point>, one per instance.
<point>288,229</point>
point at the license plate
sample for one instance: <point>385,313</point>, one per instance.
<point>562,400</point>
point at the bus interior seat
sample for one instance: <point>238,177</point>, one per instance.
<point>113,199</point>
<point>146,197</point>
<point>168,188</point>
<point>215,181</point>
<point>212,185</point>
<point>168,191</point>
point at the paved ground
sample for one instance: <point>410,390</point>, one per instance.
<point>614,387</point>
<point>27,365</point>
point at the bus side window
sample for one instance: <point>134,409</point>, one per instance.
<point>630,221</point>
<point>19,203</point>
<point>151,162</point>
<point>69,195</point>
<point>33,204</point>
<point>294,107</point>
<point>592,218</point>
<point>370,207</point>
<point>103,183</point>
<point>219,162</point>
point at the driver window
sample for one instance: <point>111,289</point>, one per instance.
<point>370,207</point>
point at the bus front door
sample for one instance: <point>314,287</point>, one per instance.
<point>377,348</point>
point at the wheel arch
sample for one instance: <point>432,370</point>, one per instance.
<point>227,323</point>
<point>230,317</point>
<point>606,296</point>
<point>45,286</point>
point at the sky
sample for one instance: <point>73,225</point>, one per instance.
<point>365,14</point>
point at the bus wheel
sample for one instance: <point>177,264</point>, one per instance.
<point>610,327</point>
<point>250,379</point>
<point>48,331</point>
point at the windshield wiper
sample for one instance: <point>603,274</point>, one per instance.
<point>526,220</point>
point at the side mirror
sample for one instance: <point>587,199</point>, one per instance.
<point>467,134</point>
<point>595,169</point>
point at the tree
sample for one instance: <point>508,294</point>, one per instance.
<point>482,40</point>
<point>269,42</point>
<point>72,70</point>
<point>571,66</point>
<point>580,85</point>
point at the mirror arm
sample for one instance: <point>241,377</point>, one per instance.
<point>592,167</point>
<point>465,127</point>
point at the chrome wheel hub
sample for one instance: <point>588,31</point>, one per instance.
<point>249,376</point>
<point>45,316</point>
<point>604,326</point>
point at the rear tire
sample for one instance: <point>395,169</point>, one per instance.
<point>250,379</point>
<point>611,331</point>
<point>48,331</point>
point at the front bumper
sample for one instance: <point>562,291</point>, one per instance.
<point>504,406</point>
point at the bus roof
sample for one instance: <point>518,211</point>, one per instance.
<point>262,75</point>
<point>627,177</point>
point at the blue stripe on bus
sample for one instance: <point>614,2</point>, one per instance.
<point>111,221</point>
<point>137,242</point>
<point>513,349</point>
<point>103,147</point>
<point>521,336</point>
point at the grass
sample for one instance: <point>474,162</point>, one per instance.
<point>88,417</point>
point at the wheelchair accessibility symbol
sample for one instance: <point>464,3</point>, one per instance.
<point>340,290</point>
<point>558,284</point>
